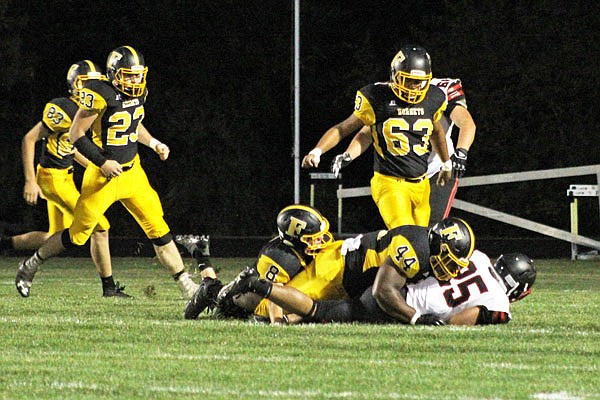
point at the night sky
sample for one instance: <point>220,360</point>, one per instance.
<point>221,95</point>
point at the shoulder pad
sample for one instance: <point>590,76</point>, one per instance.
<point>96,95</point>
<point>59,114</point>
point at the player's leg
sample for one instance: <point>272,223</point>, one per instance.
<point>25,241</point>
<point>205,296</point>
<point>392,197</point>
<point>96,197</point>
<point>420,193</point>
<point>28,267</point>
<point>144,205</point>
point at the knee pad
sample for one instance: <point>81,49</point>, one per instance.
<point>161,241</point>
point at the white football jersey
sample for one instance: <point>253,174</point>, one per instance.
<point>475,285</point>
<point>455,96</point>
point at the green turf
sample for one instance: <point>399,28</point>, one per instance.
<point>67,342</point>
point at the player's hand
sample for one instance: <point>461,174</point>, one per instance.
<point>339,162</point>
<point>444,177</point>
<point>459,162</point>
<point>111,169</point>
<point>31,192</point>
<point>429,319</point>
<point>162,150</point>
<point>312,159</point>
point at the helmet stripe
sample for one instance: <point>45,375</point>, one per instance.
<point>90,65</point>
<point>134,54</point>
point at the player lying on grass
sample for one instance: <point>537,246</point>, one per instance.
<point>480,294</point>
<point>343,269</point>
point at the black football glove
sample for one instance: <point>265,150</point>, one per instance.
<point>459,162</point>
<point>429,319</point>
<point>339,162</point>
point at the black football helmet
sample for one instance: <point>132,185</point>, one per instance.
<point>304,228</point>
<point>451,243</point>
<point>82,71</point>
<point>126,71</point>
<point>517,273</point>
<point>410,74</point>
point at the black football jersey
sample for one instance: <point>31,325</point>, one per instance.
<point>408,247</point>
<point>58,152</point>
<point>115,129</point>
<point>401,131</point>
<point>278,262</point>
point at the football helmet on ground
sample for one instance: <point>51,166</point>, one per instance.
<point>451,243</point>
<point>410,74</point>
<point>304,228</point>
<point>126,71</point>
<point>517,273</point>
<point>82,71</point>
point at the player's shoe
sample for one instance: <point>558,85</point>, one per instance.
<point>205,297</point>
<point>24,278</point>
<point>241,284</point>
<point>187,286</point>
<point>195,242</point>
<point>117,291</point>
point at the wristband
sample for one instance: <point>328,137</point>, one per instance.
<point>153,143</point>
<point>415,317</point>
<point>92,152</point>
<point>447,166</point>
<point>316,152</point>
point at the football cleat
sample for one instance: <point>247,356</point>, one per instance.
<point>117,291</point>
<point>24,278</point>
<point>240,285</point>
<point>205,297</point>
<point>187,286</point>
<point>195,242</point>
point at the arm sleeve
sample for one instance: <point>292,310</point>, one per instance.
<point>487,317</point>
<point>92,152</point>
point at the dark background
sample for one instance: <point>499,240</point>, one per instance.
<point>221,96</point>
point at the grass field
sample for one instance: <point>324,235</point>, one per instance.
<point>67,342</point>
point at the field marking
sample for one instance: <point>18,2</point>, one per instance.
<point>293,359</point>
<point>556,396</point>
<point>65,386</point>
<point>290,393</point>
<point>45,320</point>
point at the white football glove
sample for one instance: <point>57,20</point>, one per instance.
<point>339,162</point>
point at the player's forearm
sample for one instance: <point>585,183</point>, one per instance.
<point>465,317</point>
<point>28,151</point>
<point>394,305</point>
<point>463,119</point>
<point>360,143</point>
<point>329,140</point>
<point>144,137</point>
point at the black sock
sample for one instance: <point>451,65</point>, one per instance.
<point>177,275</point>
<point>108,282</point>
<point>202,260</point>
<point>262,287</point>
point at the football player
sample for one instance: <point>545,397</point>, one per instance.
<point>114,110</point>
<point>387,260</point>
<point>456,114</point>
<point>302,232</point>
<point>403,116</point>
<point>53,177</point>
<point>479,295</point>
